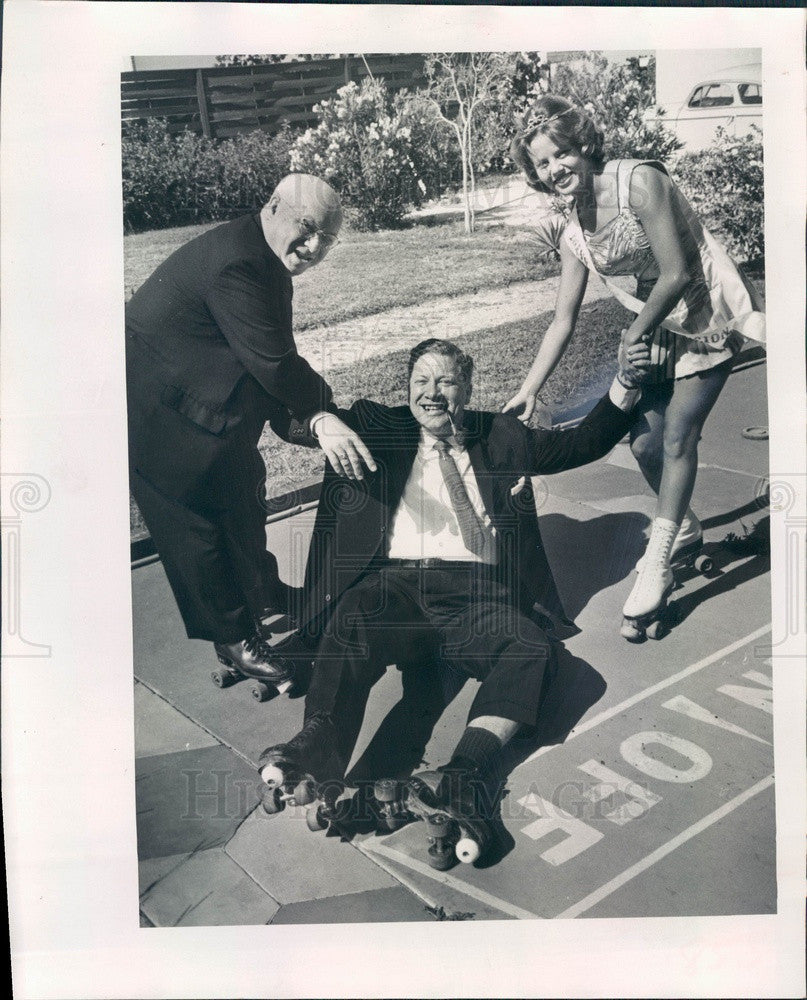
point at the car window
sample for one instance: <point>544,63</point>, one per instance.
<point>712,95</point>
<point>750,93</point>
<point>695,100</point>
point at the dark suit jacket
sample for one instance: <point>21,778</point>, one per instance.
<point>353,518</point>
<point>210,357</point>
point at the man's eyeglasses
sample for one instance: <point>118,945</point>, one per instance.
<point>309,227</point>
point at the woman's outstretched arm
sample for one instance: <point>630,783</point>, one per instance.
<point>572,287</point>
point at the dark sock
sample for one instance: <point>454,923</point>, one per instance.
<point>476,750</point>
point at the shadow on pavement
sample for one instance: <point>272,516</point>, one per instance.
<point>736,561</point>
<point>597,554</point>
<point>752,507</point>
<point>396,749</point>
<point>602,551</point>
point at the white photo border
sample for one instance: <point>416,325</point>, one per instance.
<point>67,730</point>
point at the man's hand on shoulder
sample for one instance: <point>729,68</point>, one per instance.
<point>343,447</point>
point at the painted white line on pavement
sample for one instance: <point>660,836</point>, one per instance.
<point>661,852</point>
<point>609,713</point>
<point>454,883</point>
<point>374,847</point>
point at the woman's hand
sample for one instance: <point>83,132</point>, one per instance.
<point>522,405</point>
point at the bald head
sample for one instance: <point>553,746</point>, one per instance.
<point>301,221</point>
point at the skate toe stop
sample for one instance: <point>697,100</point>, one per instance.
<point>271,774</point>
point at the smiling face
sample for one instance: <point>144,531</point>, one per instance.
<point>301,221</point>
<point>438,393</point>
<point>562,168</point>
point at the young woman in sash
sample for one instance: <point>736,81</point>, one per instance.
<point>692,305</point>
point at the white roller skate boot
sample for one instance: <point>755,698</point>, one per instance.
<point>644,609</point>
<point>688,541</point>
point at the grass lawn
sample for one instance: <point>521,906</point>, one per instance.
<point>370,272</point>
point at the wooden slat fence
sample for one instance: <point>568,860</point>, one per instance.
<point>223,101</point>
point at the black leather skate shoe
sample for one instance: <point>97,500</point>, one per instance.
<point>253,658</point>
<point>454,802</point>
<point>290,772</point>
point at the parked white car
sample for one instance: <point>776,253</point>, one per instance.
<point>733,100</point>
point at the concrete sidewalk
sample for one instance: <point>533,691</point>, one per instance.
<point>650,792</point>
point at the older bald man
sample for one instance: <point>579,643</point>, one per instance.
<point>210,358</point>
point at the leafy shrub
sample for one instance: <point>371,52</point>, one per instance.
<point>724,185</point>
<point>364,147</point>
<point>616,95</point>
<point>249,168</point>
<point>434,152</point>
<point>176,180</point>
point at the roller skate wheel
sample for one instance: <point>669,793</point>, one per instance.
<point>385,790</point>
<point>314,819</point>
<point>272,800</point>
<point>630,631</point>
<point>440,860</point>
<point>260,691</point>
<point>703,564</point>
<point>467,850</point>
<point>656,630</point>
<point>272,774</point>
<point>438,824</point>
<point>222,677</point>
<point>304,793</point>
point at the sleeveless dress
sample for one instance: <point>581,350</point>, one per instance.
<point>719,306</point>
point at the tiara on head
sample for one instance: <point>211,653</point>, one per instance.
<point>540,119</point>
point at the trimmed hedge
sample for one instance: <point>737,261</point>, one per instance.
<point>178,180</point>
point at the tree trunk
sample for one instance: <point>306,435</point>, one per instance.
<point>472,173</point>
<point>465,192</point>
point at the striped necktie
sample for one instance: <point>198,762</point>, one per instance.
<point>473,534</point>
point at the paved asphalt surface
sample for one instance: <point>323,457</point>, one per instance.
<point>649,793</point>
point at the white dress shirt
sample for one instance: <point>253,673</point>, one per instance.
<point>425,524</point>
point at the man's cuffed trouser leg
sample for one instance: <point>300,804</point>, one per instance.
<point>234,498</point>
<point>374,625</point>
<point>195,557</point>
<point>203,498</point>
<point>485,634</point>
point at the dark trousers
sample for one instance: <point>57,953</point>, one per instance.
<point>209,526</point>
<point>216,561</point>
<point>462,615</point>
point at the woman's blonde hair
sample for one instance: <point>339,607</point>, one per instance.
<point>565,125</point>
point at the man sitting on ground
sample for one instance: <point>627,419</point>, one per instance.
<point>437,541</point>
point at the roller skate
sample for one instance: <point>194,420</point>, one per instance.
<point>291,773</point>
<point>692,557</point>
<point>644,614</point>
<point>253,659</point>
<point>687,548</point>
<point>373,806</point>
<point>448,802</point>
